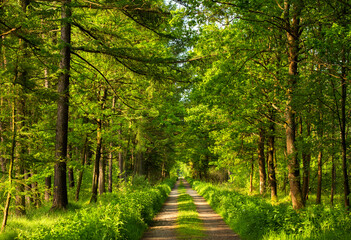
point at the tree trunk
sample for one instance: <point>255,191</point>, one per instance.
<point>343,132</point>
<point>319,181</point>
<point>306,161</point>
<point>2,159</point>
<point>28,188</point>
<point>47,188</point>
<point>60,200</point>
<point>261,162</point>
<point>71,177</point>
<point>96,163</point>
<point>102,175</point>
<point>81,172</point>
<point>22,148</point>
<point>271,166</point>
<point>293,37</point>
<point>251,176</point>
<point>110,169</point>
<point>333,181</point>
<point>110,157</point>
<point>12,160</point>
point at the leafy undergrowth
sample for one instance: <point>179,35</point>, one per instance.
<point>189,226</point>
<point>121,215</point>
<point>253,218</point>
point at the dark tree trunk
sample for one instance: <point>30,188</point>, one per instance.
<point>47,189</point>
<point>102,175</point>
<point>71,177</point>
<point>293,37</point>
<point>251,176</point>
<point>319,181</point>
<point>60,199</point>
<point>343,133</point>
<point>261,162</point>
<point>333,181</point>
<point>96,163</point>
<point>81,172</point>
<point>271,166</point>
<point>110,169</point>
<point>306,161</point>
<point>110,157</point>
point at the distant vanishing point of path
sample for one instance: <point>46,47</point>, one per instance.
<point>164,227</point>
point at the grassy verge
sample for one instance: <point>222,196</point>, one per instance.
<point>254,218</point>
<point>120,215</point>
<point>189,226</point>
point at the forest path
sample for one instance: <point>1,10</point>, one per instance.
<point>214,225</point>
<point>165,222</point>
<point>164,226</point>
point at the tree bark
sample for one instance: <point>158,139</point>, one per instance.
<point>293,37</point>
<point>48,193</point>
<point>251,176</point>
<point>261,161</point>
<point>306,161</point>
<point>343,131</point>
<point>28,188</point>
<point>271,166</point>
<point>81,172</point>
<point>102,175</point>
<point>319,181</point>
<point>60,200</point>
<point>110,169</point>
<point>96,163</point>
<point>110,157</point>
<point>12,160</point>
<point>333,181</point>
<point>2,159</point>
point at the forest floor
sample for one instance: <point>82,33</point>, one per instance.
<point>165,223</point>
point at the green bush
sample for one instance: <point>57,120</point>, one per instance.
<point>254,218</point>
<point>120,215</point>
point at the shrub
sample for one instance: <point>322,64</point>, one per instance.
<point>253,218</point>
<point>120,215</point>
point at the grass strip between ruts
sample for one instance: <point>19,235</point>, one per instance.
<point>189,226</point>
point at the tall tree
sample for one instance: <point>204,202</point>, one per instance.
<point>60,199</point>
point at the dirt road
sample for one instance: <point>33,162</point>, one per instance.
<point>164,227</point>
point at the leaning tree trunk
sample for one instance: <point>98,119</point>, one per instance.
<point>60,200</point>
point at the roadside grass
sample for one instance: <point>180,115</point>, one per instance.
<point>189,226</point>
<point>253,217</point>
<point>123,214</point>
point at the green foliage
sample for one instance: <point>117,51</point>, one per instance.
<point>253,218</point>
<point>120,215</point>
